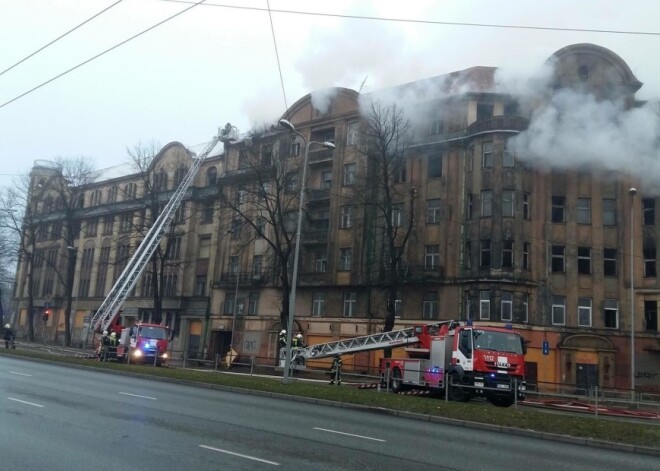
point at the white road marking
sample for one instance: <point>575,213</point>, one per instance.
<point>349,434</point>
<point>137,395</point>
<point>24,402</point>
<point>19,374</point>
<point>239,455</point>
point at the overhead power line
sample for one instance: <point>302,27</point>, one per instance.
<point>279,67</point>
<point>102,53</point>
<point>59,37</point>
<point>429,22</point>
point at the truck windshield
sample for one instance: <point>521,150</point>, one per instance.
<point>153,332</point>
<point>498,341</point>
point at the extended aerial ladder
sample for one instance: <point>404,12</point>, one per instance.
<point>394,338</point>
<point>110,307</point>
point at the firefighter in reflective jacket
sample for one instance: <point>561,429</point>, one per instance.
<point>103,347</point>
<point>112,346</point>
<point>282,339</point>
<point>297,341</point>
<point>335,370</point>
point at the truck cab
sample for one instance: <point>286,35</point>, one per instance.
<point>144,343</point>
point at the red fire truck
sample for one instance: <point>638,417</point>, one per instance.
<point>144,343</point>
<point>471,360</point>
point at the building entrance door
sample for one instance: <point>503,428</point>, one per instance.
<point>586,377</point>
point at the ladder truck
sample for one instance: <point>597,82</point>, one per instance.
<point>467,359</point>
<point>110,308</point>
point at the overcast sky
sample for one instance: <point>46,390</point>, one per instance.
<point>215,64</point>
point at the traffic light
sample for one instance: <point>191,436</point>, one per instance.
<point>46,315</point>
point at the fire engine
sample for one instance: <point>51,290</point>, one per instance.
<point>144,343</point>
<point>467,359</point>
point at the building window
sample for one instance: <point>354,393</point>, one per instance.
<point>508,159</point>
<point>346,217</point>
<point>126,223</point>
<point>485,253</point>
<point>558,209</point>
<point>398,305</point>
<point>397,214</point>
<point>609,212</point>
<point>524,307</point>
<point>345,259</point>
<point>321,262</point>
<point>295,148</point>
<point>584,312</point>
<point>470,203</point>
<point>434,166</point>
<point>486,203</point>
<point>207,212</point>
<point>484,111</point>
<point>326,179</point>
<point>433,211</point>
<point>487,155</point>
<point>353,134</point>
<point>506,308</point>
<point>526,210</point>
<point>112,194</point>
<point>649,262</point>
<point>211,176</point>
<point>431,256</point>
<point>200,285</point>
<point>257,266</point>
<point>611,313</point>
<point>350,173</point>
<point>584,211</point>
<point>260,224</point>
<point>430,309</point>
<point>525,260</point>
<point>350,303</point>
<point>609,262</point>
<point>507,254</point>
<point>648,211</point>
<point>437,126</point>
<point>584,260</point>
<point>400,171</point>
<point>484,305</point>
<point>651,316</point>
<point>508,203</point>
<point>558,310</point>
<point>253,304</point>
<point>557,256</point>
<point>468,255</point>
<point>318,304</point>
<point>92,227</point>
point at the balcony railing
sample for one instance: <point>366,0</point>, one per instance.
<point>413,274</point>
<point>498,123</point>
<point>315,278</point>
<point>320,155</point>
<point>315,195</point>
<point>245,278</point>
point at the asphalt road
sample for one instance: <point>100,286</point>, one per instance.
<point>59,418</point>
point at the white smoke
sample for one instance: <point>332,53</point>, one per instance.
<point>322,98</point>
<point>574,129</point>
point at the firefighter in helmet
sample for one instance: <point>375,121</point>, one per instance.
<point>335,370</point>
<point>112,346</point>
<point>298,341</point>
<point>282,338</point>
<point>8,336</point>
<point>103,347</point>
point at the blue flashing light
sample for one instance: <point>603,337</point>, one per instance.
<point>469,322</point>
<point>492,375</point>
<point>509,326</point>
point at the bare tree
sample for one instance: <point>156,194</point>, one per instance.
<point>167,259</point>
<point>387,199</point>
<point>259,195</point>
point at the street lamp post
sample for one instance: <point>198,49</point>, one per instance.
<point>72,314</point>
<point>296,253</point>
<point>235,313</point>
<point>632,192</point>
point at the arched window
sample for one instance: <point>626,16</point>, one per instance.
<point>160,180</point>
<point>211,176</point>
<point>180,174</point>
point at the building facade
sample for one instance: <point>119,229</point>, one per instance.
<point>495,236</point>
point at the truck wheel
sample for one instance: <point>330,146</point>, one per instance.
<point>456,392</point>
<point>502,401</point>
<point>396,382</point>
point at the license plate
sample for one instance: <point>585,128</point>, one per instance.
<point>502,386</point>
<point>479,384</point>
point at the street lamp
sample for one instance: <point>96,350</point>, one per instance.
<point>296,254</point>
<point>72,314</point>
<point>235,307</point>
<point>632,192</point>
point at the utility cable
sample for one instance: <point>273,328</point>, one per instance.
<point>102,53</point>
<point>279,67</point>
<point>59,37</point>
<point>430,22</point>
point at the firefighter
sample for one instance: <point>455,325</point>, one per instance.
<point>8,336</point>
<point>299,341</point>
<point>112,346</point>
<point>282,338</point>
<point>335,370</point>
<point>103,348</point>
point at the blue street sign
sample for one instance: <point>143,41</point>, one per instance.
<point>546,347</point>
